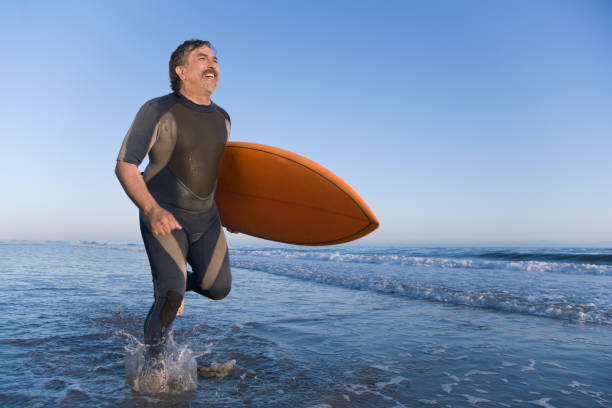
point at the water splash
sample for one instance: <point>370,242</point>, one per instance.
<point>217,370</point>
<point>174,371</point>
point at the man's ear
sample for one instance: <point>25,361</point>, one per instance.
<point>180,71</point>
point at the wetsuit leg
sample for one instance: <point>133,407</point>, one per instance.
<point>208,255</point>
<point>167,255</point>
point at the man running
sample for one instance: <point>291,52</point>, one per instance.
<point>184,134</point>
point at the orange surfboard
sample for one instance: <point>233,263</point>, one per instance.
<point>274,194</point>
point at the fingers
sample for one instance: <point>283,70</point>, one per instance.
<point>161,227</point>
<point>165,227</point>
<point>167,224</point>
<point>162,222</point>
<point>175,224</point>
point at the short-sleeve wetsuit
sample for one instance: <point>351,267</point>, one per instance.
<point>185,142</point>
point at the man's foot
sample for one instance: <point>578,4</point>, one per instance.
<point>152,378</point>
<point>181,308</point>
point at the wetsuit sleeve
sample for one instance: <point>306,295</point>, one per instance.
<point>140,138</point>
<point>228,120</point>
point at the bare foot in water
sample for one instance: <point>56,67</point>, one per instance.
<point>152,379</point>
<point>181,309</point>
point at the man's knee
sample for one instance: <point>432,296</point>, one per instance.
<point>222,286</point>
<point>219,293</point>
<point>171,306</point>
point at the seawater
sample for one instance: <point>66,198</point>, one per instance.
<point>313,327</point>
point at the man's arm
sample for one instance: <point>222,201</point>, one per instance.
<point>160,221</point>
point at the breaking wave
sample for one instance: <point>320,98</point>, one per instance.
<point>538,302</point>
<point>465,260</point>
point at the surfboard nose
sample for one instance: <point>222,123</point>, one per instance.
<point>278,195</point>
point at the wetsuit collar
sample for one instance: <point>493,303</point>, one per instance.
<point>200,108</point>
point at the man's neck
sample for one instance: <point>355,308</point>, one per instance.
<point>200,98</point>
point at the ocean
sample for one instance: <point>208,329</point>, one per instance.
<point>343,326</point>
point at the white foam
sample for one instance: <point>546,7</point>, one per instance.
<point>428,402</point>
<point>538,302</point>
<point>479,372</point>
<point>530,367</point>
<point>360,389</point>
<point>448,388</point>
<point>474,400</point>
<point>452,377</point>
<point>176,369</point>
<point>457,358</point>
<point>543,402</point>
<point>107,245</point>
<point>357,389</point>
<point>75,392</point>
<point>217,370</point>
<point>393,381</point>
<point>431,262</point>
<point>385,368</point>
<point>556,365</point>
<point>576,384</point>
<point>436,350</point>
<point>594,394</point>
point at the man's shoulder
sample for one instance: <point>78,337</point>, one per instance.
<point>161,103</point>
<point>223,112</point>
<point>152,110</point>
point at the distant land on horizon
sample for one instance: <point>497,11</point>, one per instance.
<point>256,242</point>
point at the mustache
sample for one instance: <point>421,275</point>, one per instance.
<point>210,71</point>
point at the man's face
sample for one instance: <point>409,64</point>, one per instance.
<point>201,70</point>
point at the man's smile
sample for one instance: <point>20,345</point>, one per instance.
<point>210,74</point>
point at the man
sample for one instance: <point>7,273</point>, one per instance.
<point>184,134</point>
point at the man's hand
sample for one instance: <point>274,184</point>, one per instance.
<point>161,222</point>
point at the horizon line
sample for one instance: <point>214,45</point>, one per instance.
<point>428,243</point>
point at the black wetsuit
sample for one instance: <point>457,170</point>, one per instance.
<point>185,142</point>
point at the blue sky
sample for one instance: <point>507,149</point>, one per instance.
<point>457,121</point>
